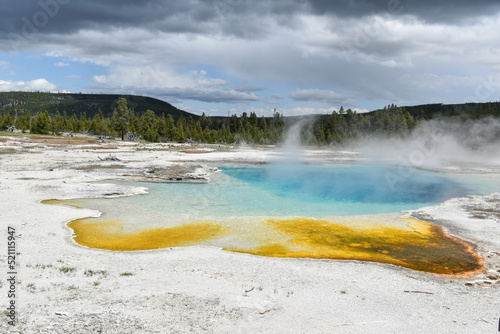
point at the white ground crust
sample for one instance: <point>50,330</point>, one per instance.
<point>66,288</point>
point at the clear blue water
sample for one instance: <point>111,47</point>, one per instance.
<point>353,184</point>
<point>357,189</point>
<point>296,190</point>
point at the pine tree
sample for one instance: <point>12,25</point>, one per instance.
<point>75,123</point>
<point>84,123</point>
<point>234,124</point>
<point>98,125</point>
<point>22,123</point>
<point>135,122</point>
<point>121,117</point>
<point>42,124</point>
<point>263,124</point>
<point>245,124</point>
<point>149,126</point>
<point>204,121</point>
<point>253,119</point>
<point>169,131</point>
<point>9,120</point>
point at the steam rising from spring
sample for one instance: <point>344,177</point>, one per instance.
<point>292,149</point>
<point>289,164</point>
<point>439,144</point>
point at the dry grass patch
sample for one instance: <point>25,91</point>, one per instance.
<point>8,150</point>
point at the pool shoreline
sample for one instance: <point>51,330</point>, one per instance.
<point>77,235</point>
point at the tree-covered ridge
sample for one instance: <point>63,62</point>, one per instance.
<point>125,123</point>
<point>90,104</point>
<point>347,125</point>
<point>465,110</point>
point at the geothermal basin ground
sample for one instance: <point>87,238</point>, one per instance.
<point>64,286</point>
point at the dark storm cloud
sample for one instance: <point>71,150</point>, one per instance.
<point>324,46</point>
<point>211,96</point>
<point>67,16</point>
<point>179,94</point>
<point>451,11</point>
<point>322,96</point>
<point>247,89</point>
<point>243,18</point>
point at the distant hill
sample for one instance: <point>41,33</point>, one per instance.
<point>91,103</point>
<point>439,110</point>
<point>430,111</point>
<point>88,103</point>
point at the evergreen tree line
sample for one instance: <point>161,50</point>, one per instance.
<point>347,125</point>
<point>335,128</point>
<point>126,124</point>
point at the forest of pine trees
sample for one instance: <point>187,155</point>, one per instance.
<point>335,128</point>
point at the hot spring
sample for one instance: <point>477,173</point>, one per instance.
<point>309,211</point>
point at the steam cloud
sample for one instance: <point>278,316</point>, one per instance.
<point>439,144</point>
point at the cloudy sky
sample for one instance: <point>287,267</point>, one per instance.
<point>220,56</point>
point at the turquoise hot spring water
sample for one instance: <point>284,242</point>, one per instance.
<point>295,210</point>
<point>295,190</point>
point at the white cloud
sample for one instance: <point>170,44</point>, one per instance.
<point>300,111</point>
<point>321,96</point>
<point>162,81</point>
<point>100,79</point>
<point>206,95</point>
<point>382,59</point>
<point>371,70</point>
<point>61,64</point>
<point>33,85</point>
